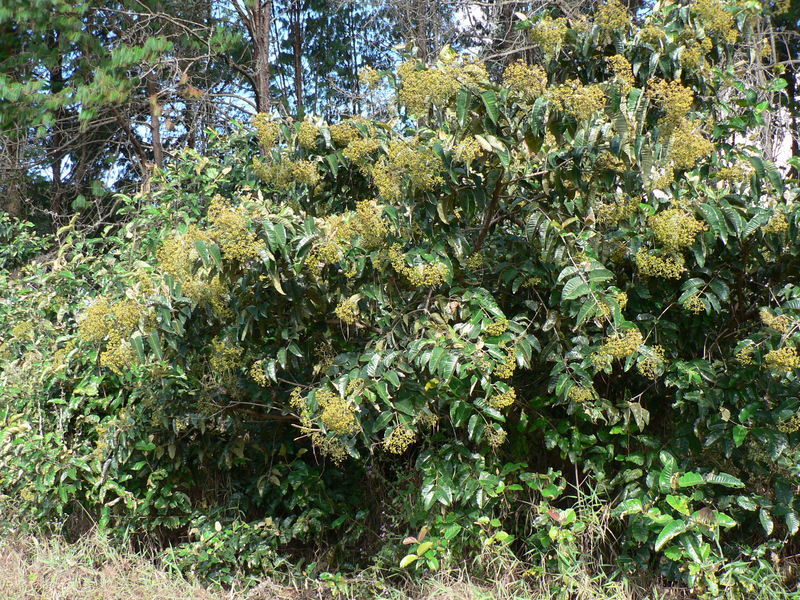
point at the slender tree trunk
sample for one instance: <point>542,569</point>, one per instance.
<point>297,45</point>
<point>56,139</point>
<point>155,124</point>
<point>259,24</point>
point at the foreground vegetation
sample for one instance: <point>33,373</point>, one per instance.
<point>538,326</point>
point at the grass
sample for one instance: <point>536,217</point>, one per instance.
<point>46,567</point>
<point>38,567</point>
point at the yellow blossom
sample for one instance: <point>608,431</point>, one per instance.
<point>612,16</point>
<point>338,415</point>
<point>400,438</point>
<point>620,345</point>
<point>527,81</point>
<point>668,266</point>
<point>498,327</point>
<point>347,311</point>
<point>783,359</point>
<point>504,399</point>
<point>675,228</point>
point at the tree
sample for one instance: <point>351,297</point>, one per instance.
<point>566,283</point>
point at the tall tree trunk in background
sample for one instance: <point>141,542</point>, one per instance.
<point>256,15</point>
<point>56,139</point>
<point>297,46</point>
<point>261,17</point>
<point>155,115</point>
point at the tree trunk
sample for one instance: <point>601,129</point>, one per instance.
<point>297,46</point>
<point>155,125</point>
<point>57,138</point>
<point>260,17</point>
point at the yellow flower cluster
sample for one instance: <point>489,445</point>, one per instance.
<point>694,52</point>
<point>653,362</point>
<point>790,425</point>
<point>284,173</point>
<point>783,359</point>
<point>503,400</point>
<point>674,99</point>
<point>61,357</point>
<point>229,227</point>
<point>370,225</point>
<point>623,72</point>
<point>116,322</point>
<point>358,151</point>
<point>694,304</point>
<point>608,162</point>
<point>475,261</point>
<point>217,294</point>
<point>620,345</point>
<point>527,81</point>
<point>347,311</point>
<point>495,436</point>
<point>427,275</point>
<point>716,20</point>
<point>325,253</point>
<point>96,321</point>
<point>675,228</point>
<point>369,77</point>
<point>612,16</point>
<point>467,150</point>
<point>580,394</point>
<point>741,171</point>
<point>424,87</point>
<point>307,134</point>
<point>781,323</point>
<point>23,331</point>
<point>506,369</point>
<point>652,34</point>
<point>612,213</point>
<point>498,327</point>
<point>688,145</point>
<point>118,356</point>
<point>399,439</point>
<point>177,257</point>
<point>745,356</point>
<point>268,131</point>
<point>224,357</point>
<point>337,414</point>
<point>344,133</point>
<point>622,299</point>
<point>386,181</point>
<point>549,34</point>
<point>578,100</point>
<point>420,165</point>
<point>258,375</point>
<point>668,266</point>
<point>778,224</point>
<point>331,447</point>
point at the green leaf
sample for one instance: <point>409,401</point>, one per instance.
<point>490,102</point>
<point>672,529</point>
<point>766,521</point>
<point>575,288</point>
<point>628,507</point>
<point>407,560</point>
<point>739,434</point>
<point>462,99</point>
<point>689,479</point>
<point>724,479</point>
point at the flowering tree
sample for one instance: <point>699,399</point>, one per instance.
<point>565,276</point>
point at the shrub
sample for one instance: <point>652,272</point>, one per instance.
<point>447,328</point>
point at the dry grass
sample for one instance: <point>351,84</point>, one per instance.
<point>50,569</point>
